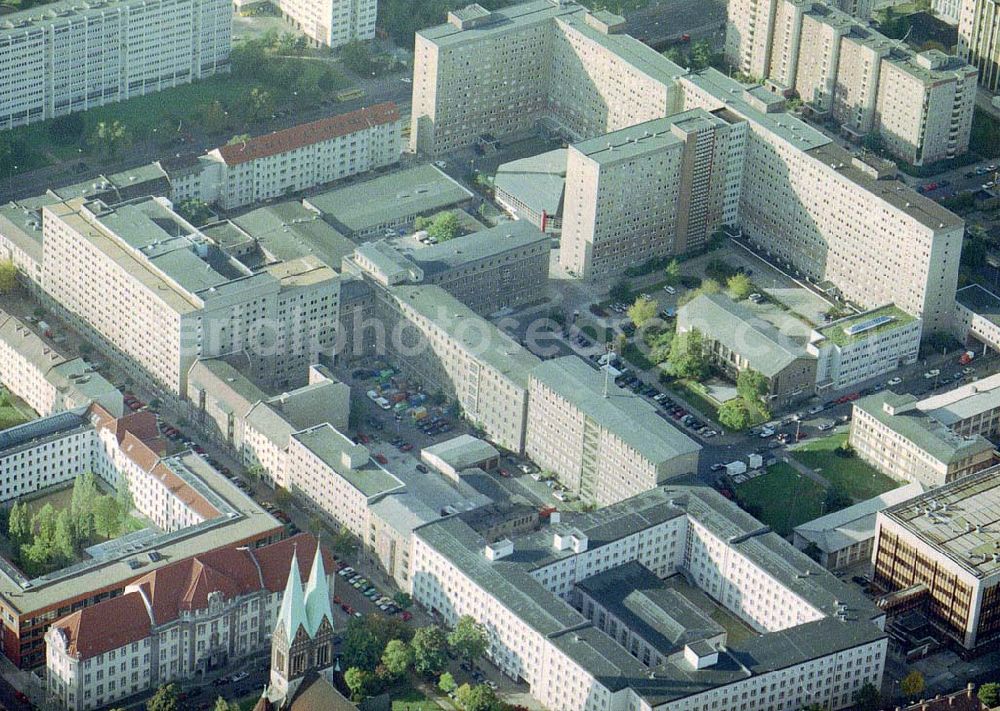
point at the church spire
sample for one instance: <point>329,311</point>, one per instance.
<point>317,594</point>
<point>292,614</point>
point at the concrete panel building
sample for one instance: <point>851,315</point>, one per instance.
<point>604,447</point>
<point>69,57</point>
<point>977,317</point>
<point>979,39</point>
<point>938,552</point>
<point>893,434</point>
<point>648,191</point>
<point>332,23</point>
<point>523,590</point>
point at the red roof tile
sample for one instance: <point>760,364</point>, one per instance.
<point>306,134</point>
<point>89,634</point>
<point>185,493</point>
<point>273,560</point>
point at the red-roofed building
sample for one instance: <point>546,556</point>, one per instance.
<point>304,156</point>
<point>178,622</point>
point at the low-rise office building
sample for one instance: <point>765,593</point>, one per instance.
<point>182,621</point>
<point>938,552</point>
<point>736,340</point>
<point>533,189</point>
<point>846,537</point>
<point>604,443</point>
<point>820,637</point>
<point>977,317</point>
<point>863,346</point>
<point>970,409</point>
<point>457,454</point>
<point>903,441</point>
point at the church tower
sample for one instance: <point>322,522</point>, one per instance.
<point>303,636</point>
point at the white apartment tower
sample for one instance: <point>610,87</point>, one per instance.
<point>332,23</point>
<point>67,57</point>
<point>979,39</point>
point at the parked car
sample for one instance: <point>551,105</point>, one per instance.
<point>894,381</point>
<point>933,373</point>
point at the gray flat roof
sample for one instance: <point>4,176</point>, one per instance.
<point>289,230</point>
<point>766,349</point>
<point>642,138</point>
<point>504,20</point>
<point>963,402</point>
<point>388,198</point>
<point>980,301</point>
<point>856,523</point>
<point>485,244</point>
<point>538,181</point>
<point>624,414</point>
<point>469,330</point>
<point>959,519</point>
<point>329,446</point>
<point>463,452</point>
<point>918,427</point>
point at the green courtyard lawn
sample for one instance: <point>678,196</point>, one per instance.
<point>12,411</point>
<point>782,498</point>
<point>695,394</point>
<point>413,700</point>
<point>859,479</point>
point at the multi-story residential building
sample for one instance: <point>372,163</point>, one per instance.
<point>925,103</point>
<point>190,617</point>
<point>947,10</point>
<point>605,444</point>
<point>193,510</point>
<point>276,164</point>
<point>543,59</point>
<point>977,317</point>
<point>501,267</point>
<point>834,216</point>
<point>938,553</point>
<point>68,57</point>
<point>736,339</point>
<point>37,373</point>
<point>845,538</point>
<point>187,296</point>
<point>979,39</point>
<point>449,347</point>
<point>892,433</point>
<point>863,346</point>
<point>650,190</point>
<point>821,638</point>
<point>920,105</point>
<point>891,246</point>
<point>332,23</point>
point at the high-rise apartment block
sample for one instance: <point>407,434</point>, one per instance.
<point>979,39</point>
<point>919,104</point>
<point>187,298</point>
<point>67,56</point>
<point>650,190</point>
<point>332,22</point>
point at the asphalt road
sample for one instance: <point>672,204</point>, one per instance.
<point>661,23</point>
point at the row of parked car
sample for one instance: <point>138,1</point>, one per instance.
<point>362,584</point>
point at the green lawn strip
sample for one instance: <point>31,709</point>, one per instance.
<point>858,478</point>
<point>412,700</point>
<point>782,498</point>
<point>691,391</point>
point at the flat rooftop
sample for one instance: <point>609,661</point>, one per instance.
<point>980,301</point>
<point>538,181</point>
<point>475,247</point>
<point>289,231</point>
<point>917,427</point>
<point>963,402</point>
<point>332,447</point>
<point>865,325</point>
<point>622,413</point>
<point>388,199</point>
<point>960,519</point>
<point>508,19</point>
<point>462,452</point>
<point>469,330</point>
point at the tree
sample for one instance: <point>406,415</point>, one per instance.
<point>710,286</point>
<point>739,286</point>
<point>989,694</point>
<point>44,525</point>
<point>397,658</point>
<point>642,310</point>
<point>165,699</point>
<point>84,495</point>
<point>751,385</point>
<point>912,684</point>
<point>672,272</point>
<point>107,517</point>
<point>675,55</point>
<point>836,498</point>
<point>195,211</point>
<point>110,137</point>
<point>421,223</point>
<point>478,698</point>
<point>430,645</point>
<point>444,227</point>
<point>687,355</point>
<point>701,54</point>
<point>19,524</point>
<point>64,540</point>
<point>620,292</point>
<point>734,414</point>
<point>361,647</point>
<point>357,56</point>
<point>238,139</point>
<point>222,705</point>
<point>468,639</point>
<point>403,600</point>
<point>359,682</point>
<point>67,130</point>
<point>8,276</point>
<point>447,683</point>
<point>260,104</point>
<point>867,698</point>
<point>123,496</point>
